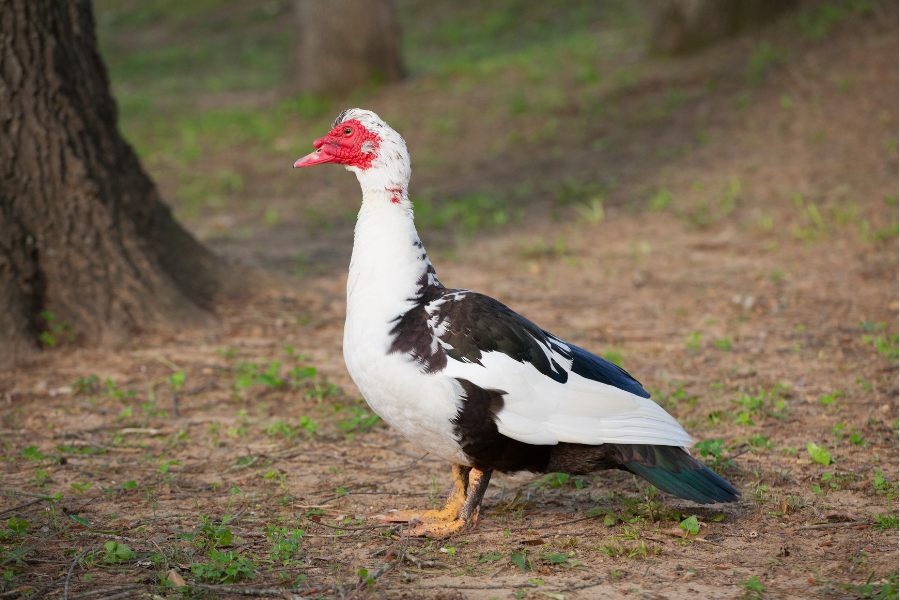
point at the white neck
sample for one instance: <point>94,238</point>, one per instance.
<point>388,264</point>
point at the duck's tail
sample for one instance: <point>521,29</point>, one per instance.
<point>673,470</point>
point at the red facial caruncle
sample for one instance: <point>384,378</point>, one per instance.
<point>350,143</point>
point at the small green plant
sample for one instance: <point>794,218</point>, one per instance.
<point>360,420</point>
<point>884,487</point>
<point>164,465</point>
<point>888,521</point>
<point>713,452</point>
<point>224,566</point>
<point>591,211</point>
<point>753,589</point>
<point>724,343</point>
<point>80,488</point>
<point>692,342</point>
<point>249,373</point>
<point>660,200</point>
<point>85,385</point>
<point>286,544</point>
<point>763,59</point>
<point>877,591</point>
<point>521,560</point>
<point>764,403</point>
<point>831,398</point>
<point>17,526</point>
<point>115,552</point>
<point>55,331</point>
<point>490,557</point>
<point>176,380</point>
<point>690,525</point>
<point>885,345</point>
<point>819,454</point>
<point>115,392</point>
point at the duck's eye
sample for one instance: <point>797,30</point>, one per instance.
<point>348,131</point>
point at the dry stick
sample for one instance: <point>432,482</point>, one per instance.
<point>834,525</point>
<point>120,596</point>
<point>475,587</point>
<point>72,570</point>
<point>236,590</point>
<point>21,506</point>
<point>120,588</point>
<point>596,582</point>
<point>35,547</point>
<point>540,526</point>
<point>353,528</point>
<point>111,536</point>
<point>390,566</point>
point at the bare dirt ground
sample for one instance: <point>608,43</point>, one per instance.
<point>761,313</point>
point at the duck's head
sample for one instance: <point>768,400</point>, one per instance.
<point>366,145</point>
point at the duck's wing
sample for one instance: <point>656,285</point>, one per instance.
<point>551,391</point>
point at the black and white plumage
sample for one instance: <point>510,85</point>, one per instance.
<point>464,376</point>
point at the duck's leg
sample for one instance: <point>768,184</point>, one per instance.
<point>468,515</point>
<point>450,510</point>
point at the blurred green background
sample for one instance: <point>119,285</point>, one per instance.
<point>513,111</point>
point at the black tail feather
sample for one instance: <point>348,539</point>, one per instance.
<point>673,470</point>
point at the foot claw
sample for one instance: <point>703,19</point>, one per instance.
<point>440,530</point>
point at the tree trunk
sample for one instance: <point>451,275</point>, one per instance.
<point>683,25</point>
<point>343,44</point>
<point>83,232</point>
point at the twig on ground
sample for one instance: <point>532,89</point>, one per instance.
<point>21,506</point>
<point>110,536</point>
<point>390,566</point>
<point>354,528</point>
<point>237,590</point>
<point>121,595</point>
<point>162,359</point>
<point>25,551</point>
<point>120,588</point>
<point>539,526</point>
<point>834,525</point>
<point>40,593</point>
<point>501,569</point>
<point>475,587</point>
<point>72,570</point>
<point>422,564</point>
<point>594,583</point>
<point>388,448</point>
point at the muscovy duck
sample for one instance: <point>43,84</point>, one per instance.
<point>464,377</point>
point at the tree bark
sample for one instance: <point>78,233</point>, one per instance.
<point>684,25</point>
<point>83,232</point>
<point>344,44</point>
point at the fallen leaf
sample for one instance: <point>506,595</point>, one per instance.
<point>176,578</point>
<point>534,542</point>
<point>841,515</point>
<point>828,543</point>
<point>812,581</point>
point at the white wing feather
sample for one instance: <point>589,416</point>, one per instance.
<point>539,410</point>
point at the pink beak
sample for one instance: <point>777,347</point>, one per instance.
<point>319,156</point>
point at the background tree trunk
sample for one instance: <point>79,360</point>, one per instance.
<point>682,25</point>
<point>83,233</point>
<point>343,44</point>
